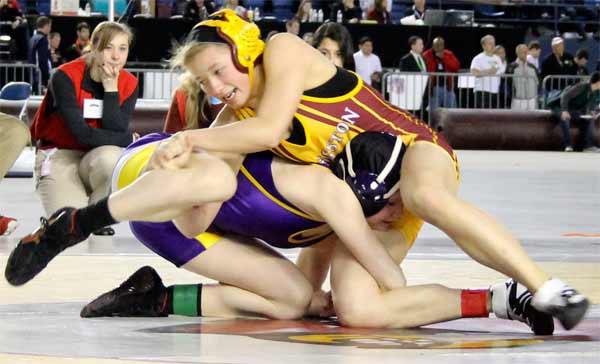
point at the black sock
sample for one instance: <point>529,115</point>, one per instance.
<point>184,299</point>
<point>94,217</point>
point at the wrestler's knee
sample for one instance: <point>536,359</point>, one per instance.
<point>294,302</point>
<point>360,314</point>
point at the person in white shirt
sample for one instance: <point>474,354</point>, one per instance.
<point>533,56</point>
<point>484,65</point>
<point>368,65</point>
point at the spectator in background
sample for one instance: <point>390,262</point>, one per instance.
<point>10,11</point>
<point>525,81</point>
<point>83,121</point>
<point>14,136</point>
<point>581,60</point>
<point>308,37</point>
<point>39,52</point>
<point>56,58</point>
<point>198,10</point>
<point>367,5</point>
<point>579,104</point>
<point>234,5</point>
<point>368,65</point>
<point>293,26</point>
<point>413,61</point>
<point>335,42</point>
<point>178,7</point>
<point>440,59</point>
<point>533,55</point>
<point>558,63</point>
<point>380,13</point>
<point>417,10</point>
<point>82,41</point>
<point>504,93</point>
<point>483,66</point>
<point>304,11</point>
<point>351,12</point>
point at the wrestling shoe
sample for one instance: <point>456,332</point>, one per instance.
<point>512,301</point>
<point>141,295</point>
<point>7,225</point>
<point>36,250</point>
<point>561,301</point>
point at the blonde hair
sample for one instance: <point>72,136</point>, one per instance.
<point>196,101</point>
<point>195,97</point>
<point>106,31</point>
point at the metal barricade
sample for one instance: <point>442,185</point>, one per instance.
<point>21,72</point>
<point>554,85</point>
<point>156,83</point>
<point>422,93</point>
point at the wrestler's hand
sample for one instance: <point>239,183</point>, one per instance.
<point>172,153</point>
<point>110,77</point>
<point>321,305</point>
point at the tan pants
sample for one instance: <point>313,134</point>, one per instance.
<point>73,178</point>
<point>14,136</point>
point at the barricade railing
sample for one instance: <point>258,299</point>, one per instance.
<point>554,85</point>
<point>156,83</point>
<point>21,72</point>
<point>421,93</point>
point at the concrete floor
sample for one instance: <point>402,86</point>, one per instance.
<point>551,201</point>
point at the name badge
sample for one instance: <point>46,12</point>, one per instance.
<point>92,109</point>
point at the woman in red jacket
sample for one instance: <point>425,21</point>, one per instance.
<point>83,122</point>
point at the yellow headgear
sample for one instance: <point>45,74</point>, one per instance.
<point>243,36</point>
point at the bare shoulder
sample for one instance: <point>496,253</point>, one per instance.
<point>281,42</point>
<point>290,49</point>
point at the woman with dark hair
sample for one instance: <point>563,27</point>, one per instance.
<point>380,13</point>
<point>335,42</point>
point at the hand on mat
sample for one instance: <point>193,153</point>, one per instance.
<point>321,305</point>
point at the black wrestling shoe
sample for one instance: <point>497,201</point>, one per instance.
<point>562,302</point>
<point>512,301</point>
<point>141,295</point>
<point>36,250</point>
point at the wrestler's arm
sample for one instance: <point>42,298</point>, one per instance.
<point>314,261</point>
<point>282,91</point>
<point>335,202</point>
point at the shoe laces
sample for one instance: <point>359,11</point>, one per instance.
<point>520,305</point>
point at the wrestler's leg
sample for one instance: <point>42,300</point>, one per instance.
<point>428,185</point>
<point>254,280</point>
<point>429,188</point>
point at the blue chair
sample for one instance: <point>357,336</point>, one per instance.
<point>17,91</point>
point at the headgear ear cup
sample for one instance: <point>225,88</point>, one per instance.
<point>243,36</point>
<point>370,164</point>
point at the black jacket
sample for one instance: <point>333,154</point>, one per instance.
<point>408,63</point>
<point>39,55</point>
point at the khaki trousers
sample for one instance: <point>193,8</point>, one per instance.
<point>14,136</point>
<point>66,177</point>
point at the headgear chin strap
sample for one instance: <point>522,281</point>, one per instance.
<point>370,164</point>
<point>242,35</point>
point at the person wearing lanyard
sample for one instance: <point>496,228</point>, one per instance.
<point>83,122</point>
